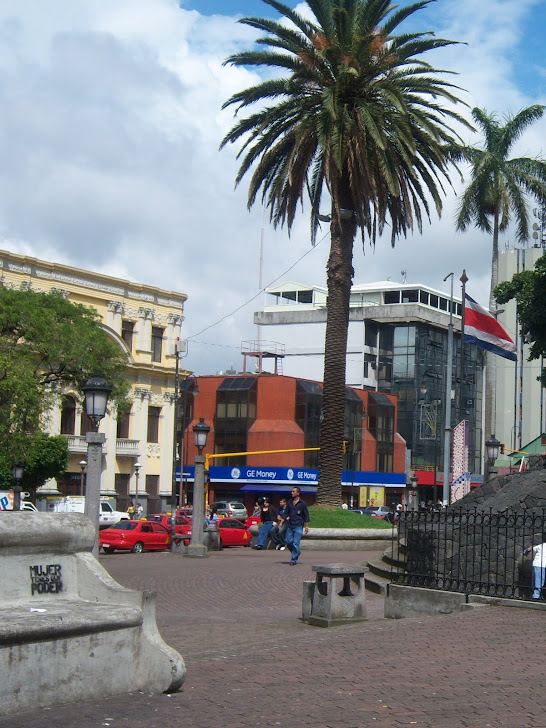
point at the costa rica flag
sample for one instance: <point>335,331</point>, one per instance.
<point>483,329</point>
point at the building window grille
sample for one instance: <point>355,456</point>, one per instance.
<point>236,399</point>
<point>127,332</point>
<point>154,414</point>
<point>122,427</point>
<point>68,416</point>
<point>157,343</point>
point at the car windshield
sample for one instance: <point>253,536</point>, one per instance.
<point>125,525</point>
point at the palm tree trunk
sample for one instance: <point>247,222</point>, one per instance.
<point>491,361</point>
<point>340,277</point>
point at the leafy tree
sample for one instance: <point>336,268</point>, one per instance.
<point>47,345</point>
<point>45,457</point>
<point>355,115</point>
<point>497,196</point>
<point>528,288</point>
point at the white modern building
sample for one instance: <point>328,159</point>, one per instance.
<point>520,401</point>
<point>397,343</point>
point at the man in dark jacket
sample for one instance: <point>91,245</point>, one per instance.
<point>297,519</point>
<point>278,532</point>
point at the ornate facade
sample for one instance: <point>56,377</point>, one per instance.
<point>146,322</point>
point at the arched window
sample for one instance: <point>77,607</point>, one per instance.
<point>68,416</point>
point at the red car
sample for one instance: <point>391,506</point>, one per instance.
<point>254,521</point>
<point>135,536</point>
<point>182,525</point>
<point>233,532</point>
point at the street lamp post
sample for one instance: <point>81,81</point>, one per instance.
<point>492,447</point>
<point>137,467</point>
<point>96,391</point>
<point>18,471</point>
<point>197,548</point>
<point>83,465</point>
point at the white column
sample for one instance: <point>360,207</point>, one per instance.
<point>167,444</point>
<point>174,330</point>
<point>108,481</point>
<point>142,400</point>
<point>144,338</point>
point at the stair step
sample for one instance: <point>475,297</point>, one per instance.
<point>375,583</point>
<point>383,569</point>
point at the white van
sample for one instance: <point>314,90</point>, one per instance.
<point>76,504</point>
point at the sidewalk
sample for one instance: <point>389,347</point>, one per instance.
<point>253,664</point>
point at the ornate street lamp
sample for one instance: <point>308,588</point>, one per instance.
<point>96,391</point>
<point>492,448</point>
<point>197,548</point>
<point>18,471</point>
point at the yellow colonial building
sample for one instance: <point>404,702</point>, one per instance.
<point>145,322</point>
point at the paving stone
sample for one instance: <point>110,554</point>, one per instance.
<point>252,663</point>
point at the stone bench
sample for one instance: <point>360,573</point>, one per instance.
<point>325,604</point>
<point>68,631</point>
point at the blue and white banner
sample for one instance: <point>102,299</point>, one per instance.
<point>255,475</point>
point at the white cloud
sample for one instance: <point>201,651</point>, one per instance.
<point>109,155</point>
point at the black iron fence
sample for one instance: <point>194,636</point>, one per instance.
<point>474,552</point>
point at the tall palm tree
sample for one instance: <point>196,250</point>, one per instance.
<point>355,115</point>
<point>497,196</point>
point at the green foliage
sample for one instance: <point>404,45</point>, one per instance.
<point>48,345</point>
<point>355,105</point>
<point>528,288</point>
<point>341,518</point>
<point>45,457</point>
<point>495,196</point>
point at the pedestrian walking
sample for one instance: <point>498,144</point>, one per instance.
<point>139,510</point>
<point>131,510</point>
<point>212,529</point>
<point>297,518</point>
<point>268,517</point>
<point>539,567</point>
<point>278,532</point>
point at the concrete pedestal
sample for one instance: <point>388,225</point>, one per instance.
<point>325,604</point>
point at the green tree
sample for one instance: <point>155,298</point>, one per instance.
<point>354,116</point>
<point>45,457</point>
<point>47,345</point>
<point>497,196</point>
<point>528,288</point>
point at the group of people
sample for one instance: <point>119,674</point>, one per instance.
<point>285,526</point>
<point>135,511</point>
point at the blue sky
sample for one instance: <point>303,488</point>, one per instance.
<point>109,135</point>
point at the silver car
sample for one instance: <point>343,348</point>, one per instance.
<point>233,509</point>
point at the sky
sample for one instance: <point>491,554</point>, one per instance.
<point>109,153</point>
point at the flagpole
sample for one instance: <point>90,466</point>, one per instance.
<point>449,376</point>
<point>464,281</point>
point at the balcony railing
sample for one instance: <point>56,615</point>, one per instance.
<point>77,444</point>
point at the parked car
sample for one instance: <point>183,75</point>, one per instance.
<point>135,536</point>
<point>253,521</point>
<point>377,511</point>
<point>233,532</point>
<point>182,525</point>
<point>231,509</point>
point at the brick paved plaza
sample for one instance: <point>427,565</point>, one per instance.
<point>252,663</point>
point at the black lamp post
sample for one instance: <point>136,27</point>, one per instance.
<point>197,548</point>
<point>492,448</point>
<point>18,471</point>
<point>96,391</point>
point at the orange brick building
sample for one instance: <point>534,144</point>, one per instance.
<point>265,412</point>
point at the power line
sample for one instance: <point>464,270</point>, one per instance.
<point>259,293</point>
